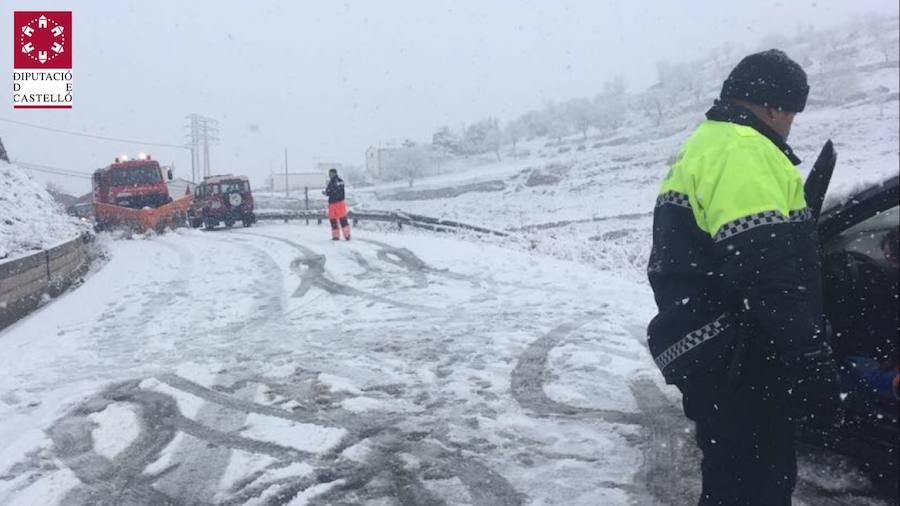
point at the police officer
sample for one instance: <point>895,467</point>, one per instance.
<point>735,272</point>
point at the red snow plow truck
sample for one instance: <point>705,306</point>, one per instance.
<point>133,194</point>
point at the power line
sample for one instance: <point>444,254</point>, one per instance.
<point>92,136</point>
<point>50,170</point>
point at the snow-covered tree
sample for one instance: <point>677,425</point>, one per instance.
<point>514,131</point>
<point>610,105</point>
<point>534,123</point>
<point>554,121</point>
<point>482,137</point>
<point>653,103</point>
<point>494,138</point>
<point>581,115</point>
<point>446,140</point>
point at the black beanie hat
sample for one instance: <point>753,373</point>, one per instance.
<point>770,79</point>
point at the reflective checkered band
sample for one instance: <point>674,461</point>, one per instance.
<point>691,341</point>
<point>801,214</point>
<point>746,223</point>
<point>674,198</point>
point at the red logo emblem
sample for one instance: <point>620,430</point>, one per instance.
<point>43,40</point>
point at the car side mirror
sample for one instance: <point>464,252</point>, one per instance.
<point>169,173</point>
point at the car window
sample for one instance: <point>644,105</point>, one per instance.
<point>860,290</point>
<point>866,237</point>
<point>136,176</point>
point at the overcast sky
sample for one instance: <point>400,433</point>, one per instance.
<point>327,79</point>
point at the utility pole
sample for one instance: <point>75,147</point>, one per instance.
<point>379,158</point>
<point>285,173</point>
<point>205,149</point>
<point>193,127</point>
<point>210,135</point>
<point>202,131</point>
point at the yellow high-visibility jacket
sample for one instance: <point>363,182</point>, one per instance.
<point>735,254</point>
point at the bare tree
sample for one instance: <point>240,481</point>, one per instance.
<point>581,115</point>
<point>885,44</point>
<point>553,121</point>
<point>409,163</point>
<point>515,130</point>
<point>654,104</point>
<point>493,138</point>
<point>610,105</point>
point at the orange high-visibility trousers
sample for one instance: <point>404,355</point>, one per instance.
<point>337,214</point>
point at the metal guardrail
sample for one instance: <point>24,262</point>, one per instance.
<point>398,218</point>
<point>26,281</point>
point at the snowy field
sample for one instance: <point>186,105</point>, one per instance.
<point>272,366</point>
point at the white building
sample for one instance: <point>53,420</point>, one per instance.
<point>297,181</point>
<point>324,167</point>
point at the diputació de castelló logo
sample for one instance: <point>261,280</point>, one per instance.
<point>42,60</point>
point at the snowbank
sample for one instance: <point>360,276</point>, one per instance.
<point>29,217</point>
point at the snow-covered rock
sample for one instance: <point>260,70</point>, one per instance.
<point>30,219</point>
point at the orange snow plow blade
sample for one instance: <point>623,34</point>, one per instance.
<point>169,215</point>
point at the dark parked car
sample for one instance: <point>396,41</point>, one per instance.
<point>860,278</point>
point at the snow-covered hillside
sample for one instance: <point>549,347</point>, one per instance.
<point>600,190</point>
<point>30,219</point>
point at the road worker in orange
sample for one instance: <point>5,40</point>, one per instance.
<point>337,207</point>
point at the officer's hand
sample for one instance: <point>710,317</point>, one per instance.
<point>815,391</point>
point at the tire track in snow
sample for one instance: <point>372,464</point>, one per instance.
<point>353,423</point>
<point>669,473</point>
<point>405,258</point>
<point>417,268</point>
<point>123,481</point>
<point>118,481</point>
<point>530,373</point>
<point>484,486</point>
<point>155,338</point>
<point>314,275</point>
<point>201,464</point>
<point>113,330</point>
<point>267,283</point>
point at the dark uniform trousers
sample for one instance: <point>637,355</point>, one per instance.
<point>745,431</point>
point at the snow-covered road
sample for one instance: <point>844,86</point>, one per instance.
<point>271,365</point>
